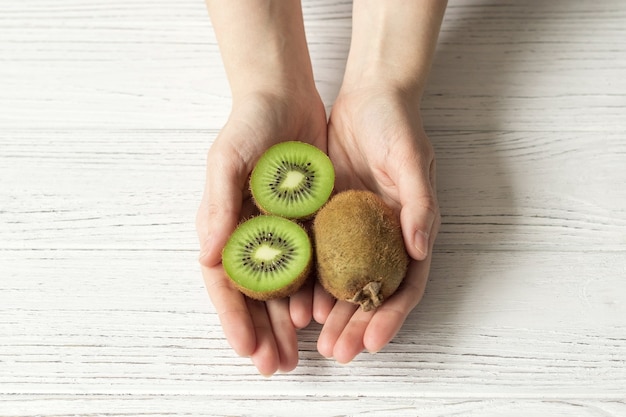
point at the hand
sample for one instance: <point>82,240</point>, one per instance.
<point>265,331</point>
<point>376,142</point>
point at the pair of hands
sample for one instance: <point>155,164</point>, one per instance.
<point>376,141</point>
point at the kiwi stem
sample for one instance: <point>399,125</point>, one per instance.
<point>369,297</point>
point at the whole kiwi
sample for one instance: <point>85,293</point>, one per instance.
<point>359,248</point>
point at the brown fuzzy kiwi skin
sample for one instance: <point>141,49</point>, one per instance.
<point>360,252</point>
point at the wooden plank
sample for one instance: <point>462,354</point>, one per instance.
<point>313,406</point>
<point>532,190</point>
<point>493,324</point>
<point>140,189</point>
<point>500,66</point>
<point>532,65</point>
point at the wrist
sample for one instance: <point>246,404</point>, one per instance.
<point>393,43</point>
<point>263,45</point>
<point>279,80</point>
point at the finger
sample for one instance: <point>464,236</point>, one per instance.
<point>390,316</point>
<point>265,357</point>
<point>333,327</point>
<point>350,343</point>
<point>221,205</point>
<point>284,334</point>
<point>420,210</point>
<point>301,305</point>
<point>323,303</point>
<point>232,310</point>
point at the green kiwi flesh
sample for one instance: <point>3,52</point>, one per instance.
<point>293,180</point>
<point>268,257</point>
<point>359,248</point>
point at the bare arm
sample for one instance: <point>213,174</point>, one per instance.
<point>263,44</point>
<point>393,42</point>
<point>265,55</point>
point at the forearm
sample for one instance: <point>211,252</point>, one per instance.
<point>262,43</point>
<point>393,42</point>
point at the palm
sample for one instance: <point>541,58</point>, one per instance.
<point>377,143</point>
<point>263,331</point>
<point>358,148</point>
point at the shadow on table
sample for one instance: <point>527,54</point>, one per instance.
<point>468,109</point>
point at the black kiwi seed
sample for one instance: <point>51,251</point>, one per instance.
<point>268,257</point>
<point>293,180</point>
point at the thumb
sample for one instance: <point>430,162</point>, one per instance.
<point>419,208</point>
<point>220,208</point>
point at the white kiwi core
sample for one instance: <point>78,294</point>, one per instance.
<point>266,253</point>
<point>292,180</point>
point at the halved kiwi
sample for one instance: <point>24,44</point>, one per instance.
<point>293,180</point>
<point>268,257</point>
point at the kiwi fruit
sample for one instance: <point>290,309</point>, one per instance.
<point>292,180</point>
<point>268,257</point>
<point>359,248</point>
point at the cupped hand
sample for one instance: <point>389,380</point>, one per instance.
<point>377,142</point>
<point>264,331</point>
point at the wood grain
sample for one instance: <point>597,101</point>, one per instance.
<point>497,190</point>
<point>198,405</point>
<point>108,321</point>
<point>107,111</point>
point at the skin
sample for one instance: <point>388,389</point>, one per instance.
<point>374,136</point>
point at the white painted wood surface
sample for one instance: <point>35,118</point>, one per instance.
<point>106,112</point>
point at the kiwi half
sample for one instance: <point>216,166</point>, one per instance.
<point>293,180</point>
<point>359,248</point>
<point>268,257</point>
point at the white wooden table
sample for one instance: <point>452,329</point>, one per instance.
<point>107,110</point>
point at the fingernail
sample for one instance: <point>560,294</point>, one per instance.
<point>421,242</point>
